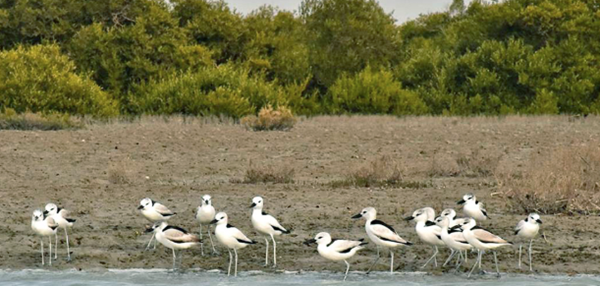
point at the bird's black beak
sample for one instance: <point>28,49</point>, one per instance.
<point>356,216</point>
<point>460,202</point>
<point>45,212</point>
<point>213,221</point>
<point>309,241</point>
<point>140,207</point>
<point>252,205</point>
<point>149,229</point>
<point>455,227</point>
<point>539,221</point>
<point>409,218</point>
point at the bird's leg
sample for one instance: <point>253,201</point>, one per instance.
<point>481,252</point>
<point>230,260</point>
<point>392,261</point>
<point>475,265</point>
<point>56,245</point>
<point>68,247</point>
<point>150,242</point>
<point>173,249</point>
<point>236,259</point>
<point>42,244</point>
<point>449,257</point>
<point>435,257</point>
<point>496,261</point>
<point>180,259</point>
<point>459,260</point>
<point>520,247</point>
<point>377,259</point>
<point>347,268</point>
<point>211,242</point>
<point>274,252</point>
<point>50,254</point>
<point>432,257</point>
<point>466,257</point>
<point>266,252</point>
<point>530,260</point>
<point>201,243</point>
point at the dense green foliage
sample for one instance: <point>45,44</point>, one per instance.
<point>200,57</point>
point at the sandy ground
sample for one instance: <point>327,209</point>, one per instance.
<point>102,172</point>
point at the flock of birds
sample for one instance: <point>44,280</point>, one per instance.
<point>460,235</point>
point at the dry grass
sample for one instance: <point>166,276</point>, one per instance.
<point>381,172</point>
<point>267,174</point>
<point>269,118</point>
<point>10,120</point>
<point>118,172</point>
<point>566,180</point>
<point>473,164</point>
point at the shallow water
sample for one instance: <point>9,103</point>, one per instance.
<point>163,277</point>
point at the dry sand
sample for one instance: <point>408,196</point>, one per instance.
<point>102,172</point>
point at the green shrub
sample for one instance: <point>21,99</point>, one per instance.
<point>41,79</point>
<point>373,92</point>
<point>223,90</point>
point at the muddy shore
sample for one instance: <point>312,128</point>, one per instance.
<point>101,172</point>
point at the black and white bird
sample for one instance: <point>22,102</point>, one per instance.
<point>473,208</point>
<point>382,234</point>
<point>44,226</point>
<point>528,229</point>
<point>267,225</point>
<point>336,249</point>
<point>454,239</point>
<point>61,217</point>
<point>230,237</point>
<point>482,240</point>
<point>428,231</point>
<point>155,213</point>
<point>204,215</point>
<point>451,215</point>
<point>174,238</point>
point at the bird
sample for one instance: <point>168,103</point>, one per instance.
<point>155,213</point>
<point>267,225</point>
<point>336,249</point>
<point>428,231</point>
<point>528,229</point>
<point>204,215</point>
<point>482,240</point>
<point>61,217</point>
<point>381,234</point>
<point>454,239</point>
<point>451,215</point>
<point>230,237</point>
<point>473,208</point>
<point>44,226</point>
<point>175,238</point>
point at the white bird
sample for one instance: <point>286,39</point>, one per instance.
<point>454,239</point>
<point>528,229</point>
<point>335,249</point>
<point>381,234</point>
<point>428,231</point>
<point>482,240</point>
<point>61,217</point>
<point>155,213</point>
<point>230,237</point>
<point>175,238</point>
<point>266,225</point>
<point>451,215</point>
<point>204,215</point>
<point>44,226</point>
<point>473,208</point>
